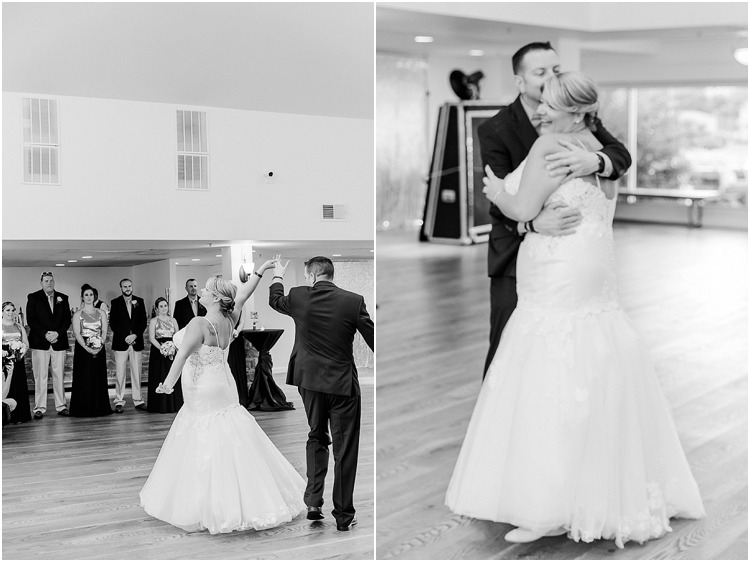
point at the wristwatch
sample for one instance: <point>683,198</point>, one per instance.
<point>602,164</point>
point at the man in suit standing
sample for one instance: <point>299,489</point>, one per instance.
<point>188,308</point>
<point>48,315</point>
<point>326,319</point>
<point>505,141</point>
<point>127,318</point>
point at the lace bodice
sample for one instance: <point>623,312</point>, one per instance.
<point>207,382</point>
<point>597,210</point>
<point>564,277</point>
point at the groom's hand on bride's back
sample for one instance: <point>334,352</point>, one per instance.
<point>557,219</point>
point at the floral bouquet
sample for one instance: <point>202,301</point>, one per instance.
<point>16,350</point>
<point>168,349</point>
<point>94,342</point>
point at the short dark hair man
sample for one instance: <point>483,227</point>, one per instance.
<point>48,315</point>
<point>326,318</point>
<point>505,140</point>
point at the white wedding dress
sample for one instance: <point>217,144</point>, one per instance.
<point>217,469</point>
<point>571,428</point>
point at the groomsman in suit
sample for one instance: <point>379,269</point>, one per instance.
<point>188,308</point>
<point>48,315</point>
<point>326,319</point>
<point>505,141</point>
<point>127,318</point>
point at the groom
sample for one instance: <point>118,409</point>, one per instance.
<point>326,319</point>
<point>505,141</point>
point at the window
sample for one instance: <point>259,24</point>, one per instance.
<point>41,141</point>
<point>192,150</point>
<point>683,137</point>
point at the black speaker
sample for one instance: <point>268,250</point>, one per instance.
<point>456,210</point>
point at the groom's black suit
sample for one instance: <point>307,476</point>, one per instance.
<point>505,141</point>
<point>326,319</point>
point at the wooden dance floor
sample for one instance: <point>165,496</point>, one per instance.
<point>70,491</point>
<point>686,293</point>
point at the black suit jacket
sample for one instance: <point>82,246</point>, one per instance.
<point>183,312</point>
<point>505,140</point>
<point>41,320</point>
<point>325,319</point>
<point>123,324</point>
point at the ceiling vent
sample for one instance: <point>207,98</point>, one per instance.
<point>334,212</point>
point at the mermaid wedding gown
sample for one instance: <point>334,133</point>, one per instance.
<point>571,428</point>
<point>217,469</point>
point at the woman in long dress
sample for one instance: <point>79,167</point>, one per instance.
<point>18,389</point>
<point>89,395</point>
<point>217,469</point>
<point>161,329</point>
<point>571,432</point>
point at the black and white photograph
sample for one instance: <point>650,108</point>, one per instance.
<point>188,281</point>
<point>561,240</point>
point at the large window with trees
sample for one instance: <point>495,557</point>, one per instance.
<point>687,138</point>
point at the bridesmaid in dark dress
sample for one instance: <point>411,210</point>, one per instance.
<point>89,396</point>
<point>161,328</point>
<point>19,389</point>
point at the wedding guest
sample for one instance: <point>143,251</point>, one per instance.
<point>161,328</point>
<point>90,394</point>
<point>48,315</point>
<point>97,303</point>
<point>127,318</point>
<point>101,305</point>
<point>505,140</point>
<point>188,307</point>
<point>18,388</point>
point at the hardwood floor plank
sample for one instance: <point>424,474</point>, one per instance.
<point>685,292</point>
<point>70,491</point>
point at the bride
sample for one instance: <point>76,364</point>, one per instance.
<point>217,470</point>
<point>571,432</point>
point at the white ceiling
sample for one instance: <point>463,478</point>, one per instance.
<point>122,253</point>
<point>499,29</point>
<point>303,58</point>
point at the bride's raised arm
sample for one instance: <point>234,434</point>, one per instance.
<point>190,343</point>
<point>248,288</point>
<point>536,183</point>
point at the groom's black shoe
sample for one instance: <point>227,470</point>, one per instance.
<point>314,513</point>
<point>346,527</point>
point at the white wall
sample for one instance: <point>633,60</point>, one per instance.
<point>118,158</point>
<point>149,282</point>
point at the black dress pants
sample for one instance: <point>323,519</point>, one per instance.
<point>343,414</point>
<point>503,301</point>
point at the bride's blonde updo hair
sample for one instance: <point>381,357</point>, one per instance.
<point>225,291</point>
<point>575,93</point>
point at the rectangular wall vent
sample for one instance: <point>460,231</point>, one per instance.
<point>334,212</point>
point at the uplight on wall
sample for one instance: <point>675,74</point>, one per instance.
<point>740,55</point>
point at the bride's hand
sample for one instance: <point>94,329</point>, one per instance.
<point>267,265</point>
<point>493,185</point>
<point>162,390</point>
